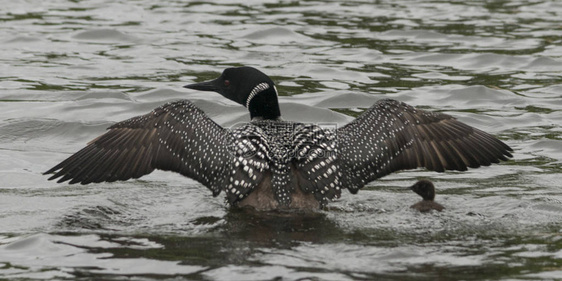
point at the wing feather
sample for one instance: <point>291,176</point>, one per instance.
<point>392,136</point>
<point>177,137</point>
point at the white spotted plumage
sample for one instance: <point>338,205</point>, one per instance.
<point>279,147</point>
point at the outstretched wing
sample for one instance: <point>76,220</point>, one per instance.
<point>393,136</point>
<point>175,137</point>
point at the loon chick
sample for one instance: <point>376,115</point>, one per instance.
<point>426,190</point>
<point>273,164</point>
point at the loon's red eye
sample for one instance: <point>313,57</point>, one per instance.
<point>226,83</point>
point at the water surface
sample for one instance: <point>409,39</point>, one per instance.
<point>69,69</point>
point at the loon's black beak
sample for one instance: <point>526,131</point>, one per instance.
<point>212,85</point>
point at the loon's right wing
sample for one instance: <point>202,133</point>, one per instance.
<point>175,137</point>
<point>392,136</point>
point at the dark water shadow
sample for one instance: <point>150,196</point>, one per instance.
<point>280,229</point>
<point>237,239</point>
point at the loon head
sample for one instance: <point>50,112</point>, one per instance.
<point>248,87</point>
<point>425,189</point>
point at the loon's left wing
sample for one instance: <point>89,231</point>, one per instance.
<point>392,136</point>
<point>175,137</point>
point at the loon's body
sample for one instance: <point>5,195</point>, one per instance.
<point>272,164</point>
<point>426,190</point>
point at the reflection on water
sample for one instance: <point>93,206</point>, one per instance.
<point>69,69</point>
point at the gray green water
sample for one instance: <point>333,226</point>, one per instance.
<point>69,69</point>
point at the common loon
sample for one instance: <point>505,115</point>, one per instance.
<point>426,190</point>
<point>273,164</point>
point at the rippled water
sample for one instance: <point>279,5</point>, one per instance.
<point>69,69</point>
